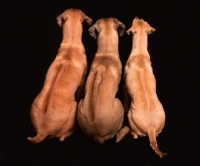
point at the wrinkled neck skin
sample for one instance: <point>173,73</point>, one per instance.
<point>107,43</point>
<point>139,44</point>
<point>72,33</point>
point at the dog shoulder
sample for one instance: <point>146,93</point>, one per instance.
<point>139,62</point>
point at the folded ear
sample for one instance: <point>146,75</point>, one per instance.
<point>151,30</point>
<point>132,29</point>
<point>129,31</point>
<point>87,19</point>
<point>60,20</point>
<point>93,28</point>
<point>135,18</point>
<point>120,27</point>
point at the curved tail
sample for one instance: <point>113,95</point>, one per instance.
<point>38,138</point>
<point>153,143</point>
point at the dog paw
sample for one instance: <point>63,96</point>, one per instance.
<point>134,135</point>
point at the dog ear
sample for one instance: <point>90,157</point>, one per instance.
<point>135,18</point>
<point>132,29</point>
<point>87,19</point>
<point>60,20</point>
<point>93,28</point>
<point>120,27</point>
<point>129,31</point>
<point>151,30</point>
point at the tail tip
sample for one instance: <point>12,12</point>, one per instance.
<point>162,155</point>
<point>157,151</point>
<point>29,138</point>
<point>38,138</point>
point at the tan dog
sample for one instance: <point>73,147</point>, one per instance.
<point>53,112</point>
<point>146,115</point>
<point>100,114</point>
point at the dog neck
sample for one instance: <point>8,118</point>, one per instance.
<point>107,44</point>
<point>139,44</point>
<point>72,33</point>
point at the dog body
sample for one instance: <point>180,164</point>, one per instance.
<point>53,111</point>
<point>100,114</point>
<point>146,115</point>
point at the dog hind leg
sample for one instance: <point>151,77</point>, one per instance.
<point>37,118</point>
<point>121,133</point>
<point>68,127</point>
<point>119,116</point>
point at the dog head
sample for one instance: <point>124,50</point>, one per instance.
<point>139,24</point>
<point>109,23</point>
<point>73,13</point>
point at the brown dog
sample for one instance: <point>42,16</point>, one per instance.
<point>53,112</point>
<point>146,115</point>
<point>100,114</point>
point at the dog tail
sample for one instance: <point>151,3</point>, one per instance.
<point>153,142</point>
<point>38,138</point>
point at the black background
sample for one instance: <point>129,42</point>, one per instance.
<point>30,39</point>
